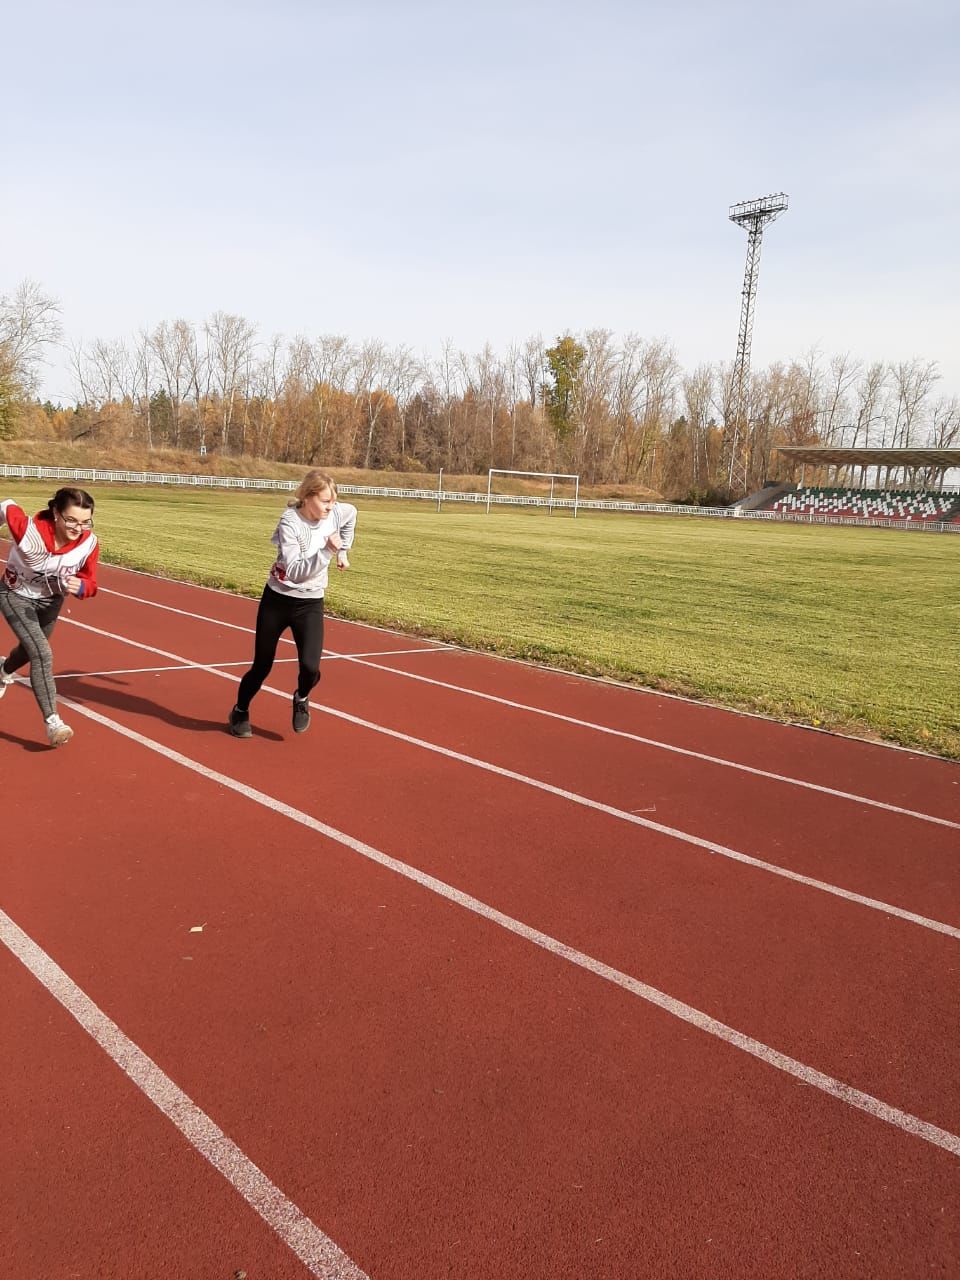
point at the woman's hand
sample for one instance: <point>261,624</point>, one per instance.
<point>335,542</point>
<point>342,561</point>
<point>72,586</point>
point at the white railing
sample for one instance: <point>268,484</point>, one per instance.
<point>94,475</point>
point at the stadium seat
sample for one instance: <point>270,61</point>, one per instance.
<point>871,504</point>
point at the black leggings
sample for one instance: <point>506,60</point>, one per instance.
<point>276,613</point>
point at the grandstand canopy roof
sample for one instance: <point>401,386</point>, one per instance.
<point>824,456</point>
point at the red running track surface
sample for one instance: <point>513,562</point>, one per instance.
<point>449,1062</point>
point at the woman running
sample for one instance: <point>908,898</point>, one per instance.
<point>54,555</point>
<point>314,530</point>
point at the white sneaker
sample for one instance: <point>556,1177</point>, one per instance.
<point>5,679</point>
<point>57,732</point>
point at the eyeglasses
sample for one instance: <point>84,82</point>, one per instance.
<point>78,526</point>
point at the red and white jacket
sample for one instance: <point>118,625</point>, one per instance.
<point>35,568</point>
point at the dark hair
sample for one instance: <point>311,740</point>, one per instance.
<point>64,498</point>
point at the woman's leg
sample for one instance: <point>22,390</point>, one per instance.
<point>307,628</point>
<point>32,622</point>
<point>273,617</point>
<point>47,613</point>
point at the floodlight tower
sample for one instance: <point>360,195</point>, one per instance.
<point>754,215</point>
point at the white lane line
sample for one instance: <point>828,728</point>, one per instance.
<point>658,744</point>
<point>428,647</point>
<point>937,926</point>
<point>605,681</point>
<point>137,671</point>
<point>312,1246</point>
<point>361,661</point>
<point>394,653</point>
<point>343,622</point>
<point>677,1008</point>
<point>245,663</point>
<point>119,671</point>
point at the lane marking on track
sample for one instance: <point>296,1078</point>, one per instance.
<point>658,744</point>
<point>348,622</point>
<point>602,681</point>
<point>427,647</point>
<point>623,815</point>
<point>677,1008</point>
<point>137,671</point>
<point>312,1246</point>
<point>394,653</point>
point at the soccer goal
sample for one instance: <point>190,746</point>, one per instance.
<point>549,502</point>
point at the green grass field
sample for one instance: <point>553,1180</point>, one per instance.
<point>852,629</point>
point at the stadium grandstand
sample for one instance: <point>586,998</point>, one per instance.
<point>909,485</point>
<point>870,504</point>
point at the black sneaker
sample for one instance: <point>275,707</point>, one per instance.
<point>301,714</point>
<point>240,723</point>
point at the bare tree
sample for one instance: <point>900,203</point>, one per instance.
<point>662,372</point>
<point>628,399</point>
<point>835,410</point>
<point>483,379</point>
<point>331,363</point>
<point>534,363</point>
<point>870,395</point>
<point>698,394</point>
<point>514,375</point>
<point>170,344</point>
<point>403,375</point>
<point>198,367</point>
<point>29,322</point>
<point>104,372</point>
<point>448,385</point>
<point>945,423</point>
<point>282,383</point>
<point>141,375</point>
<point>267,388</point>
<point>912,383</point>
<point>369,378</point>
<point>944,430</point>
<point>80,367</point>
<point>230,341</point>
<point>593,410</point>
<point>335,360</point>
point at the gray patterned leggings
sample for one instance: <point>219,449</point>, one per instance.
<point>31,622</point>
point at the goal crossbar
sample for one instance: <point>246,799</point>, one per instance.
<point>552,476</point>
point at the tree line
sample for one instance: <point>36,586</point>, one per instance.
<point>615,411</point>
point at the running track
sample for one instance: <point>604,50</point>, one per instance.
<point>496,972</point>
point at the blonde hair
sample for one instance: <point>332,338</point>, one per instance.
<point>313,482</point>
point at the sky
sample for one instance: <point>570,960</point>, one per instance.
<point>423,172</point>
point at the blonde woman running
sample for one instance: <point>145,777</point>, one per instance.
<point>312,532</point>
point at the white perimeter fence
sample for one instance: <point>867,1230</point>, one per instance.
<point>439,496</point>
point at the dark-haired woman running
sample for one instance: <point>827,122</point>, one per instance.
<point>54,555</point>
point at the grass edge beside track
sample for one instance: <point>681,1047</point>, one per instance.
<point>799,713</point>
<point>851,631</point>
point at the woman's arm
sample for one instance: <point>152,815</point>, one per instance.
<point>297,565</point>
<point>346,524</point>
<point>84,584</point>
<point>346,514</point>
<point>25,534</point>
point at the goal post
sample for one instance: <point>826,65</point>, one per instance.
<point>552,476</point>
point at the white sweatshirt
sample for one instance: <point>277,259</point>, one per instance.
<point>303,556</point>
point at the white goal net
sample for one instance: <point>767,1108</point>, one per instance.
<point>559,491</point>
